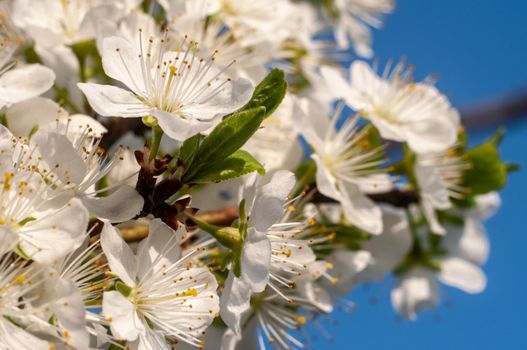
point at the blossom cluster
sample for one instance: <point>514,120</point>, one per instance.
<point>215,174</point>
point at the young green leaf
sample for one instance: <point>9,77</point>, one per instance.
<point>189,148</point>
<point>237,164</point>
<point>269,93</point>
<point>224,140</point>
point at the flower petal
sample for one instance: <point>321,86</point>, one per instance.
<point>232,97</point>
<point>120,60</point>
<point>178,128</point>
<point>121,205</point>
<point>462,274</point>
<point>256,260</point>
<point>389,248</point>
<point>161,246</point>
<point>415,291</point>
<point>273,190</point>
<point>60,155</point>
<point>338,85</point>
<point>234,302</point>
<point>360,210</point>
<point>22,117</point>
<point>70,312</point>
<point>120,257</point>
<point>14,337</point>
<point>23,83</point>
<point>56,233</point>
<point>111,101</point>
<point>326,183</point>
<point>431,135</point>
<point>124,321</point>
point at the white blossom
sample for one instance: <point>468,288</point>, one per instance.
<point>186,94</point>
<point>168,297</point>
<point>403,111</point>
<point>345,171</point>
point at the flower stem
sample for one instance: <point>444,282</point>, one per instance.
<point>229,237</point>
<point>157,135</point>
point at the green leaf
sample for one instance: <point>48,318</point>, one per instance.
<point>237,164</point>
<point>188,150</point>
<point>487,173</point>
<point>224,140</point>
<point>269,93</point>
<point>211,155</point>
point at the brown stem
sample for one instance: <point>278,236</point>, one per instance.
<point>497,110</point>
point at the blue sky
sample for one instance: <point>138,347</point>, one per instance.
<point>479,49</point>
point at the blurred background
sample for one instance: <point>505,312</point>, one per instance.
<point>479,50</point>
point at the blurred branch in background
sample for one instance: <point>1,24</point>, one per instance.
<point>496,111</point>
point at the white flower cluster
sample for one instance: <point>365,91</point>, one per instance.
<point>206,173</point>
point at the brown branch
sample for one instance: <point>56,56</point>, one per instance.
<point>221,217</point>
<point>397,198</point>
<point>498,110</point>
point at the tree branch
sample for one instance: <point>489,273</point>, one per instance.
<point>498,110</point>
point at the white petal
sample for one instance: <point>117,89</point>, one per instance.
<point>248,341</point>
<point>6,141</point>
<point>57,149</point>
<point>326,183</point>
<point>152,340</point>
<point>338,85</point>
<point>360,210</point>
<point>347,265</point>
<point>235,301</point>
<point>120,257</point>
<point>14,337</point>
<point>229,340</point>
<point>487,204</point>
<point>364,83</point>
<point>389,248</point>
<point>78,122</point>
<point>161,246</point>
<point>474,243</point>
<point>120,60</point>
<point>311,120</point>
<point>22,117</point>
<point>56,234</point>
<point>178,128</point>
<point>111,101</point>
<point>256,259</point>
<point>268,205</point>
<point>415,291</point>
<point>430,182</point>
<point>429,211</point>
<point>234,96</point>
<point>23,83</point>
<point>121,205</point>
<point>462,274</point>
<point>8,240</point>
<point>70,312</point>
<point>315,294</point>
<point>125,323</point>
<point>62,60</point>
<point>430,135</point>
